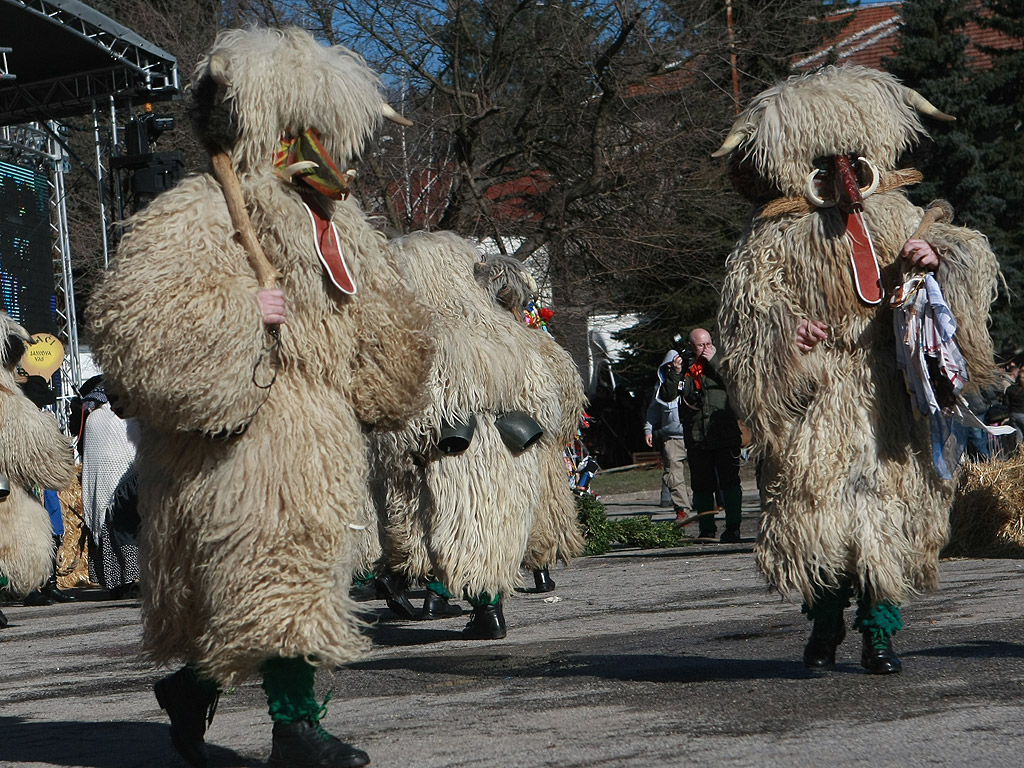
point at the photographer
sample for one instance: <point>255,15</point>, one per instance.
<point>664,432</point>
<point>712,435</point>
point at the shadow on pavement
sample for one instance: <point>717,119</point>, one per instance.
<point>98,745</point>
<point>973,649</point>
<point>491,662</point>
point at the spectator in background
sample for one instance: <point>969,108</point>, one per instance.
<point>664,432</point>
<point>713,436</point>
<point>109,496</point>
<point>977,448</point>
<point>1013,398</point>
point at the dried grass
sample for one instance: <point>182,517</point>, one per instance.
<point>73,555</point>
<point>987,516</point>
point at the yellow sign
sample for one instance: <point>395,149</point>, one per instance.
<point>44,357</point>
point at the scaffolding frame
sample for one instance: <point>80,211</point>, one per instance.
<point>115,70</point>
<point>40,148</point>
<point>137,68</point>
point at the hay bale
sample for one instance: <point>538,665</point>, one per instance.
<point>987,516</point>
<point>73,555</point>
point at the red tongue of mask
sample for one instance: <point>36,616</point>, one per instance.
<point>867,278</point>
<point>323,176</point>
<point>328,248</point>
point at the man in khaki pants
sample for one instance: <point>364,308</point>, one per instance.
<point>664,432</point>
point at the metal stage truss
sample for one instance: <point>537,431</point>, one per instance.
<point>65,59</point>
<point>30,146</point>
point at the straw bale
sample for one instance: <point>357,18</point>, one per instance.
<point>987,516</point>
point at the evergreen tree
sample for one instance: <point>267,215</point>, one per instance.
<point>965,162</point>
<point>1003,151</point>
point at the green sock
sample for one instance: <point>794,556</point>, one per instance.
<point>362,578</point>
<point>3,581</point>
<point>483,599</point>
<point>829,602</point>
<point>438,588</point>
<point>881,620</point>
<point>207,684</point>
<point>288,684</point>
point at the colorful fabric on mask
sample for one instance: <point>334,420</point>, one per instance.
<point>325,177</point>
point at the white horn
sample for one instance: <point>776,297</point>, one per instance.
<point>736,136</point>
<point>875,176</point>
<point>811,193</point>
<point>394,117</point>
<point>925,107</point>
<point>294,168</point>
<point>219,71</point>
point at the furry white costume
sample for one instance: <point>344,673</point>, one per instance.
<point>466,518</point>
<point>33,454</point>
<point>849,493</point>
<point>252,479</point>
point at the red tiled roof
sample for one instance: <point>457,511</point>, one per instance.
<point>871,34</point>
<point>424,196</point>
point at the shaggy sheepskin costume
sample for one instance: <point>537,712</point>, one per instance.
<point>851,501</point>
<point>252,477</point>
<point>467,519</point>
<point>34,455</point>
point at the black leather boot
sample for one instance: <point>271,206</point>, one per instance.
<point>878,657</point>
<point>392,588</point>
<point>3,620</point>
<point>826,635</point>
<point>543,580</point>
<point>436,606</point>
<point>51,590</point>
<point>190,708</point>
<point>36,598</point>
<point>730,536</point>
<point>307,745</point>
<point>487,623</point>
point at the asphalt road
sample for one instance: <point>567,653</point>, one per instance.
<point>651,658</point>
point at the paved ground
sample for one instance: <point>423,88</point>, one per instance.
<point>640,658</point>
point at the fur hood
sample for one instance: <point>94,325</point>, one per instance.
<point>780,137</point>
<point>256,86</point>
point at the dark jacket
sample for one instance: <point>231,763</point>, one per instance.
<point>1014,398</point>
<point>704,409</point>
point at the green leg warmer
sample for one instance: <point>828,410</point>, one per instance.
<point>733,500</point>
<point>483,599</point>
<point>288,684</point>
<point>205,683</point>
<point>362,578</point>
<point>705,502</point>
<point>829,602</point>
<point>880,620</point>
<point>438,588</point>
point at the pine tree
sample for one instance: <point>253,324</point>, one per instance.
<point>966,162</point>
<point>1003,84</point>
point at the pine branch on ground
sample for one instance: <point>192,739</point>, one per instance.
<point>602,534</point>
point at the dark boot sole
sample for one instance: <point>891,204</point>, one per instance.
<point>478,635</point>
<point>887,669</point>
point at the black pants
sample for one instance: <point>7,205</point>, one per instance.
<point>712,469</point>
